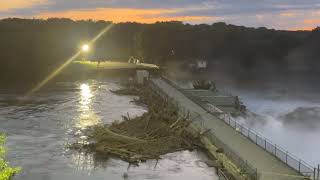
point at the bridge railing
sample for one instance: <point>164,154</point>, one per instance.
<point>250,171</point>
<point>221,175</point>
<point>280,153</point>
<point>198,122</point>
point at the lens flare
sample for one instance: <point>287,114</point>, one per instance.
<point>61,67</point>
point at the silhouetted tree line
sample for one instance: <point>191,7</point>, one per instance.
<point>31,48</point>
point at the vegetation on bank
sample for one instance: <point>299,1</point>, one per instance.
<point>6,172</point>
<point>159,131</point>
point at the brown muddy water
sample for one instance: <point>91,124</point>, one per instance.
<point>40,127</point>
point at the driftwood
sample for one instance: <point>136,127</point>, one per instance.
<point>159,131</point>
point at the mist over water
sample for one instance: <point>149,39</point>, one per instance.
<point>291,119</point>
<point>285,110</point>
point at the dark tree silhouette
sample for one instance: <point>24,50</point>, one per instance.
<point>31,48</point>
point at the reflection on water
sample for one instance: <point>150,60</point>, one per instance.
<point>39,130</point>
<point>85,95</point>
<point>83,161</point>
<point>87,115</point>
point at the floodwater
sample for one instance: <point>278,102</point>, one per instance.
<point>288,116</point>
<point>292,121</point>
<point>40,127</point>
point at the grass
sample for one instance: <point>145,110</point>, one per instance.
<point>116,65</point>
<point>6,172</point>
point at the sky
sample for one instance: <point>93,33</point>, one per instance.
<point>276,14</point>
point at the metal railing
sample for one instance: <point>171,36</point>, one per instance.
<point>292,161</point>
<point>198,122</point>
<point>221,175</point>
<point>246,168</point>
<point>289,159</point>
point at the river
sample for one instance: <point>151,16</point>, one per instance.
<point>40,128</point>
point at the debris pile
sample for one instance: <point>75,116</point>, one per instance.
<point>159,131</point>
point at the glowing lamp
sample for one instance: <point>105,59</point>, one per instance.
<point>85,48</point>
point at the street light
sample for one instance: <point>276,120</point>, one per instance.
<point>85,48</point>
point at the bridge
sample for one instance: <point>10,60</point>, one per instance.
<point>270,161</point>
<point>115,65</point>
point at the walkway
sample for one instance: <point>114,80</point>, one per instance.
<point>268,166</point>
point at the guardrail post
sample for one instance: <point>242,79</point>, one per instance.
<point>287,157</point>
<point>275,150</point>
<point>318,178</point>
<point>314,173</point>
<point>299,166</point>
<point>256,138</point>
<point>265,143</point>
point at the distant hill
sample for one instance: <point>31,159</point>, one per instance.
<point>31,48</point>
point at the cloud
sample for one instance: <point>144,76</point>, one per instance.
<point>312,21</point>
<point>277,14</point>
<point>125,15</point>
<point>9,5</point>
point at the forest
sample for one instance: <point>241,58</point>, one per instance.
<point>31,48</point>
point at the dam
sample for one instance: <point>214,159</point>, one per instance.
<point>261,158</point>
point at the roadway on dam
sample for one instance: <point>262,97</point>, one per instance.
<point>268,166</point>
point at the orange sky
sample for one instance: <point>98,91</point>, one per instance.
<point>194,12</point>
<point>123,15</point>
<point>6,5</point>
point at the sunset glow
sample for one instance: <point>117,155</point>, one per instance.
<point>6,5</point>
<point>286,15</point>
<point>123,15</point>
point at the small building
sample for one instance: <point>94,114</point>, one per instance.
<point>198,65</point>
<point>202,64</point>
